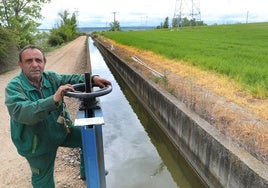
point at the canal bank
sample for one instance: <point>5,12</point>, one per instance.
<point>136,152</point>
<point>218,161</point>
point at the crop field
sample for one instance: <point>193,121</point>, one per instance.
<point>238,51</point>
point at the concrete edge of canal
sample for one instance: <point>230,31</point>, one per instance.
<point>218,161</point>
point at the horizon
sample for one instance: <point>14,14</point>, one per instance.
<point>141,26</point>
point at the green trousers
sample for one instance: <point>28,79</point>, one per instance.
<point>43,166</point>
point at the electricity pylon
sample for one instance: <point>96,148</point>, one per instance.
<point>189,9</point>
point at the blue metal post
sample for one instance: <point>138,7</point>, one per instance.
<point>93,146</point>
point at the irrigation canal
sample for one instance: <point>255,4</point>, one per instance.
<point>136,151</point>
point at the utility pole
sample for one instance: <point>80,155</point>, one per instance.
<point>114,16</point>
<point>247,17</point>
<point>115,25</point>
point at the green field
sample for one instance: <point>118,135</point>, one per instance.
<point>238,51</point>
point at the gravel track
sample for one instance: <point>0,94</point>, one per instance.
<point>14,171</point>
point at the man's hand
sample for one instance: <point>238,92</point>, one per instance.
<point>101,82</point>
<point>58,96</point>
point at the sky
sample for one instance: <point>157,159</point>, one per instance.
<point>101,13</point>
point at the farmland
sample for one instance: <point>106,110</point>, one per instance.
<point>237,51</point>
<point>227,60</point>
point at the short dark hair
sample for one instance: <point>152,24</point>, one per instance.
<point>30,46</point>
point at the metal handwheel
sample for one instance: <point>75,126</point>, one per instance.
<point>80,91</point>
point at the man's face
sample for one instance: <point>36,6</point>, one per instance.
<point>32,64</point>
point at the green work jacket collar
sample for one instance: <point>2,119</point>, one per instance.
<point>27,85</point>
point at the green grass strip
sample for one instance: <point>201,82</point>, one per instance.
<point>238,51</point>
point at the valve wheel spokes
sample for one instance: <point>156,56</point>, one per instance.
<point>81,94</point>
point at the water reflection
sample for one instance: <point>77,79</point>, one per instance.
<point>136,152</point>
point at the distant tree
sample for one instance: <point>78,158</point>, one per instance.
<point>185,22</point>
<point>69,25</point>
<point>65,31</point>
<point>115,26</point>
<point>166,23</point>
<point>175,23</point>
<point>163,25</point>
<point>21,16</point>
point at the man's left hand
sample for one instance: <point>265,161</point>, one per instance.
<point>101,82</point>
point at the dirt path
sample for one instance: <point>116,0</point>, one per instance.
<point>14,171</point>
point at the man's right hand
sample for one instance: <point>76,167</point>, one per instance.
<point>58,96</point>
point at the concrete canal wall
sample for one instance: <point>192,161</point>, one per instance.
<point>218,161</point>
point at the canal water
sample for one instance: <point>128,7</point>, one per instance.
<point>137,153</point>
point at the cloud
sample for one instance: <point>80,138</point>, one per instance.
<point>151,12</point>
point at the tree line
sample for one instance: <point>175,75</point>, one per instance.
<point>179,22</point>
<point>19,22</point>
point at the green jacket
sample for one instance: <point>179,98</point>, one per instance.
<point>33,113</point>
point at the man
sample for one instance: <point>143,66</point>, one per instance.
<point>34,100</point>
